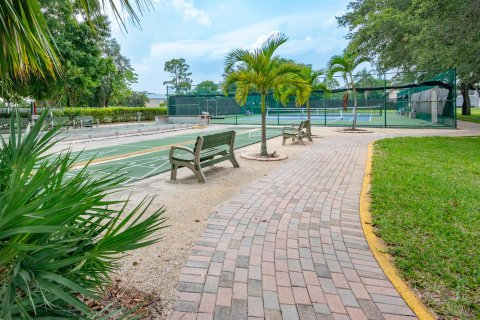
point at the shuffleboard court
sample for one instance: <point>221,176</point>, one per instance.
<point>144,159</point>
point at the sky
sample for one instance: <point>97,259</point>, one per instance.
<point>204,31</point>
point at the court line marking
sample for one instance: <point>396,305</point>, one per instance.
<point>136,153</point>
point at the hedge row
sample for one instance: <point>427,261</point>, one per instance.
<point>113,114</point>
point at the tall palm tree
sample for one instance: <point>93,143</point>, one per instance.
<point>26,44</point>
<point>263,72</point>
<point>364,79</point>
<point>346,64</point>
<point>311,77</point>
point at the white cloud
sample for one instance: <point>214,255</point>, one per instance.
<point>260,40</point>
<point>309,43</point>
<point>188,10</point>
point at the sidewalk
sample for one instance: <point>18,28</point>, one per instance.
<point>291,246</point>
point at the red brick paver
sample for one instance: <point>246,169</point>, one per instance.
<point>291,246</point>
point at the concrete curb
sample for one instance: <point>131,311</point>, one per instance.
<point>379,250</point>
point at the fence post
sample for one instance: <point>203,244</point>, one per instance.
<point>454,102</point>
<point>385,97</point>
<point>325,108</point>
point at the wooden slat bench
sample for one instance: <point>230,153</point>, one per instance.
<point>5,123</point>
<point>209,150</point>
<point>297,133</point>
<point>85,121</point>
<point>55,121</point>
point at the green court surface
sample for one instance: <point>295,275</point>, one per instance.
<point>144,159</point>
<point>390,118</point>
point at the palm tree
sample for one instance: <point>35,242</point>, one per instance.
<point>364,79</point>
<point>311,77</point>
<point>346,64</point>
<point>263,72</point>
<point>27,45</point>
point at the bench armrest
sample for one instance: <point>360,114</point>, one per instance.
<point>173,148</point>
<point>289,128</point>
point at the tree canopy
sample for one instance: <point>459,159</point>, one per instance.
<point>180,80</point>
<point>93,70</point>
<point>27,43</point>
<point>418,35</point>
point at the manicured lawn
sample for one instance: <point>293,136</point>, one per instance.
<point>426,207</point>
<point>474,117</point>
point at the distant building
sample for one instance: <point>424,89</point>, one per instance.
<point>474,99</point>
<point>154,99</point>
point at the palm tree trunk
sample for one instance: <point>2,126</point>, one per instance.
<point>354,124</point>
<point>263,148</point>
<point>309,128</point>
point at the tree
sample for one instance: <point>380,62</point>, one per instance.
<point>206,87</point>
<point>93,68</point>
<point>117,76</point>
<point>365,79</point>
<point>260,70</point>
<point>133,99</point>
<point>180,75</point>
<point>311,77</point>
<point>419,36</point>
<point>346,64</point>
<point>27,45</point>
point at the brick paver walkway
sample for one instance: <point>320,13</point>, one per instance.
<point>291,246</point>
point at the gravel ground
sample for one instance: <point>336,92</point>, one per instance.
<point>155,269</point>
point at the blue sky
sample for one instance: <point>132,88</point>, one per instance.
<point>203,31</point>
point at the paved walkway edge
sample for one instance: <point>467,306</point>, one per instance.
<point>379,250</point>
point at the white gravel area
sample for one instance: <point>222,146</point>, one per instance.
<point>189,204</point>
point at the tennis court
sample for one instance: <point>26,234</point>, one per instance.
<point>141,160</point>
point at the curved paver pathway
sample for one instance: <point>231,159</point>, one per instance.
<point>291,246</point>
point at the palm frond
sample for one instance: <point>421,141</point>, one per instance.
<point>27,45</point>
<point>272,44</point>
<point>25,41</point>
<point>238,56</point>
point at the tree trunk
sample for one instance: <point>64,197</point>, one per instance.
<point>309,118</point>
<point>345,100</point>
<point>466,99</point>
<point>354,123</point>
<point>263,148</point>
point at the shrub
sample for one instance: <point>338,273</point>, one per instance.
<point>113,114</point>
<point>59,234</point>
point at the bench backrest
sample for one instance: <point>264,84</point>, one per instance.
<point>55,120</point>
<point>84,118</point>
<point>226,138</point>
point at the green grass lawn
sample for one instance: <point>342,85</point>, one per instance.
<point>474,117</point>
<point>426,207</point>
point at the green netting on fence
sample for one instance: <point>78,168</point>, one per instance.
<point>385,100</point>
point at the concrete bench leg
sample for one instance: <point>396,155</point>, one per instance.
<point>198,172</point>
<point>173,173</point>
<point>301,140</point>
<point>233,160</point>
